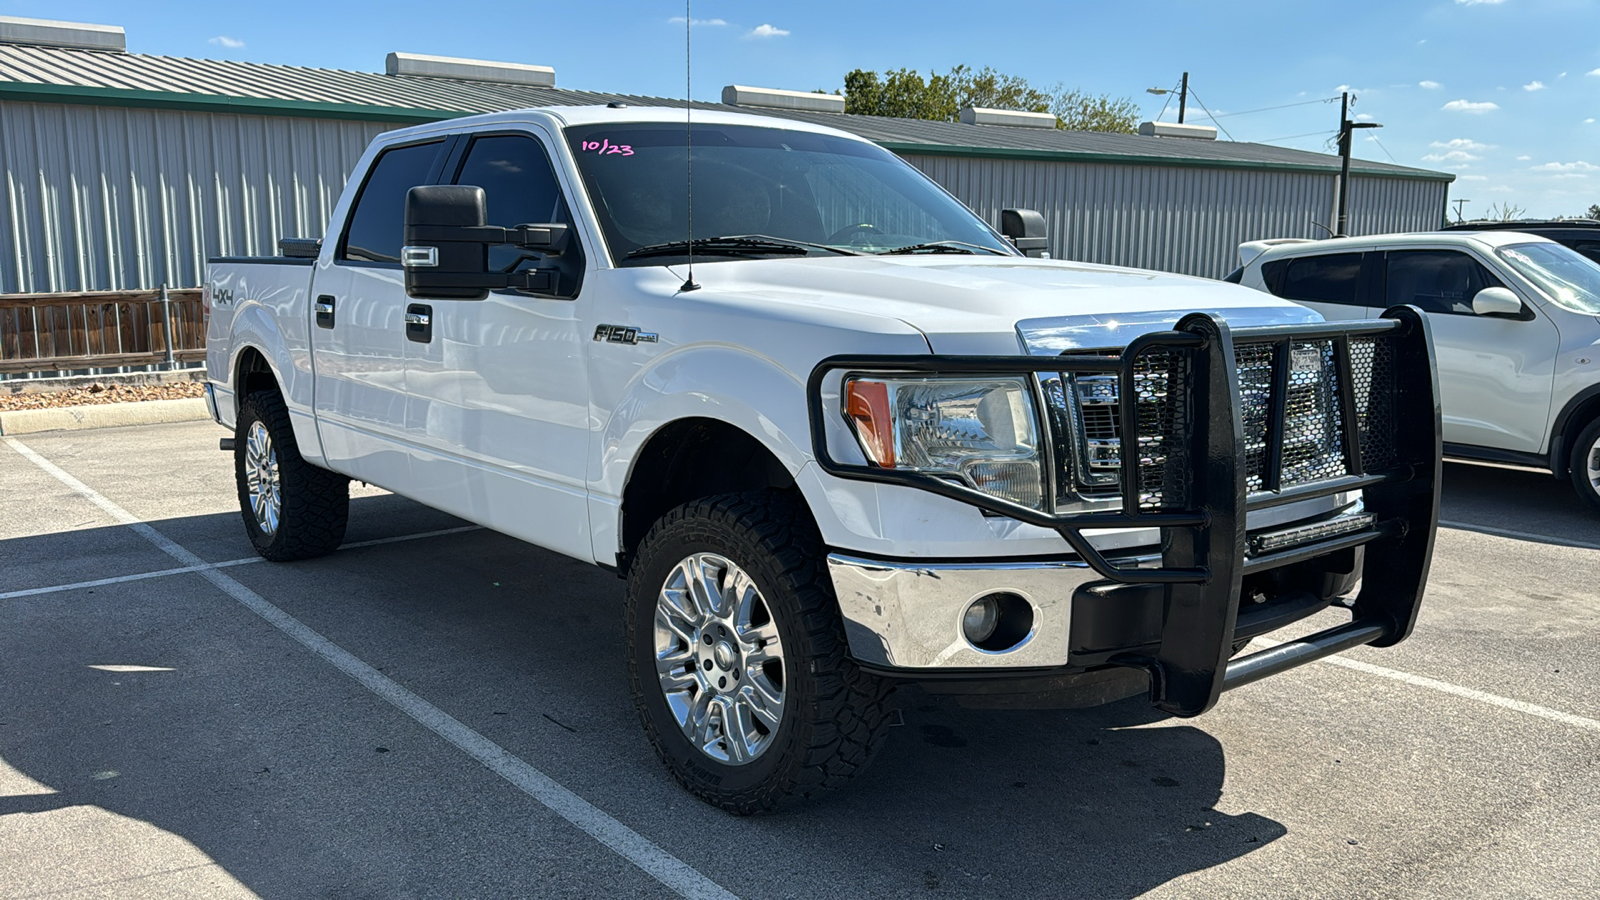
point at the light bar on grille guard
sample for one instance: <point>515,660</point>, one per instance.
<point>1221,421</point>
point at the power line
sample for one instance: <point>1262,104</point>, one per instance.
<point>1384,149</point>
<point>1245,112</point>
<point>1213,119</point>
<point>1290,137</point>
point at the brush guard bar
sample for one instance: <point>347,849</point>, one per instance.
<point>1187,468</point>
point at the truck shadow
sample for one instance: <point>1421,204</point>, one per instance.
<point>525,647</point>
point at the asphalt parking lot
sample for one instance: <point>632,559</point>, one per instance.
<point>439,711</point>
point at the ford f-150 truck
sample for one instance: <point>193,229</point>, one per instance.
<point>847,434</point>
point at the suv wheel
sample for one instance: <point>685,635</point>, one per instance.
<point>737,656</point>
<point>292,509</point>
<point>1585,464</point>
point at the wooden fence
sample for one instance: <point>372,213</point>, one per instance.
<point>100,329</point>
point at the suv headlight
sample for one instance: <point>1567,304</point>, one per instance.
<point>979,431</point>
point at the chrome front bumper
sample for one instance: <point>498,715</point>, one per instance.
<point>904,615</point>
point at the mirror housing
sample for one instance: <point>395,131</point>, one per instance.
<point>1497,301</point>
<point>446,246</point>
<point>1025,229</point>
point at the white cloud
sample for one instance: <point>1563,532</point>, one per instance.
<point>1534,86</point>
<point>1454,156</point>
<point>1588,121</point>
<point>1460,144</point>
<point>1429,85</point>
<point>223,40</point>
<point>695,23</point>
<point>1468,106</point>
<point>1562,75</point>
<point>1593,72</point>
<point>1363,117</point>
<point>1474,178</point>
<point>1579,166</point>
<point>1479,2</point>
<point>1501,189</point>
<point>1524,158</point>
<point>767,31</point>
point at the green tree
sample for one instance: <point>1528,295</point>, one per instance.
<point>1594,211</point>
<point>906,94</point>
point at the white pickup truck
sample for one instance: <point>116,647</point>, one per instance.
<point>859,437</point>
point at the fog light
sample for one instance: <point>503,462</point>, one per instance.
<point>980,619</point>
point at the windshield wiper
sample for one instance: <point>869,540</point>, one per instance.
<point>736,244</point>
<point>942,247</point>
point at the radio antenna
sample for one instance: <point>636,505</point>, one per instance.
<point>688,140</point>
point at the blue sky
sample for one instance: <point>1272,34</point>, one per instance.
<point>1505,93</point>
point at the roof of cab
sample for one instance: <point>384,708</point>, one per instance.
<point>594,115</point>
<point>1420,239</point>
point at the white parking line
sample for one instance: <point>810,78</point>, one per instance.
<point>1532,709</point>
<point>245,561</point>
<point>1521,535</point>
<point>632,846</point>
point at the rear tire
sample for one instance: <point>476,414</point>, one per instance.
<point>291,508</point>
<point>1585,464</point>
<point>737,656</point>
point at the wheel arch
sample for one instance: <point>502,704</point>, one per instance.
<point>690,458</point>
<point>1573,418</point>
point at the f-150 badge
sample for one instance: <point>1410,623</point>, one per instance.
<point>624,334</point>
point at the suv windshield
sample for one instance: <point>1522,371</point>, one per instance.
<point>764,192</point>
<point>1571,280</point>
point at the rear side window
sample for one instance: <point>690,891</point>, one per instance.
<point>378,221</point>
<point>520,188</point>
<point>1317,279</point>
<point>1436,281</point>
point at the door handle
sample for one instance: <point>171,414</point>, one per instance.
<point>324,308</point>
<point>419,323</point>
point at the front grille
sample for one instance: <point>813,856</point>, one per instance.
<point>1307,446</point>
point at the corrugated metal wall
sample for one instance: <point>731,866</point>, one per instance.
<point>105,198</point>
<point>1188,220</point>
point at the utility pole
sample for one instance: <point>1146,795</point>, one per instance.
<point>1459,204</point>
<point>1183,97</point>
<point>1346,130</point>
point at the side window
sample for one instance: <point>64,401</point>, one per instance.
<point>520,188</point>
<point>1318,279</point>
<point>377,222</point>
<point>1436,281</point>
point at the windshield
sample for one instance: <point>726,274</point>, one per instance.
<point>1569,278</point>
<point>827,196</point>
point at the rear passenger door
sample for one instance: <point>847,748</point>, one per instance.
<point>1495,374</point>
<point>1333,284</point>
<point>358,334</point>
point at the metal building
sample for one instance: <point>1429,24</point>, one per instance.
<point>125,171</point>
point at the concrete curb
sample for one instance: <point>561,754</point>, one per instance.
<point>103,415</point>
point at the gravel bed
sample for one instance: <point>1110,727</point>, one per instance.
<point>101,393</point>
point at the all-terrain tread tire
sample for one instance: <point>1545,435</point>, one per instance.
<point>315,501</point>
<point>1580,461</point>
<point>836,715</point>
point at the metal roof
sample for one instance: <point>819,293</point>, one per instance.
<point>60,75</point>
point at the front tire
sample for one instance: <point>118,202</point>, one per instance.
<point>1585,464</point>
<point>737,656</point>
<point>291,508</point>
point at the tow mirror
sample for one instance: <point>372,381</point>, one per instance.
<point>446,252</point>
<point>1025,228</point>
<point>1497,301</point>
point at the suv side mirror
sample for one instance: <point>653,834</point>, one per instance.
<point>1025,228</point>
<point>446,252</point>
<point>1497,301</point>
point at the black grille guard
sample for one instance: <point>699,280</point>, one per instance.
<point>1196,488</point>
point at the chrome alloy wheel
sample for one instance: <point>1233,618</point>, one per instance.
<point>1593,459</point>
<point>719,659</point>
<point>261,478</point>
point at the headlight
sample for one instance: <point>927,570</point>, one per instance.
<point>980,431</point>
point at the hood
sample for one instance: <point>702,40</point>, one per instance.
<point>997,305</point>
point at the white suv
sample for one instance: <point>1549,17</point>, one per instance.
<point>1516,326</point>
